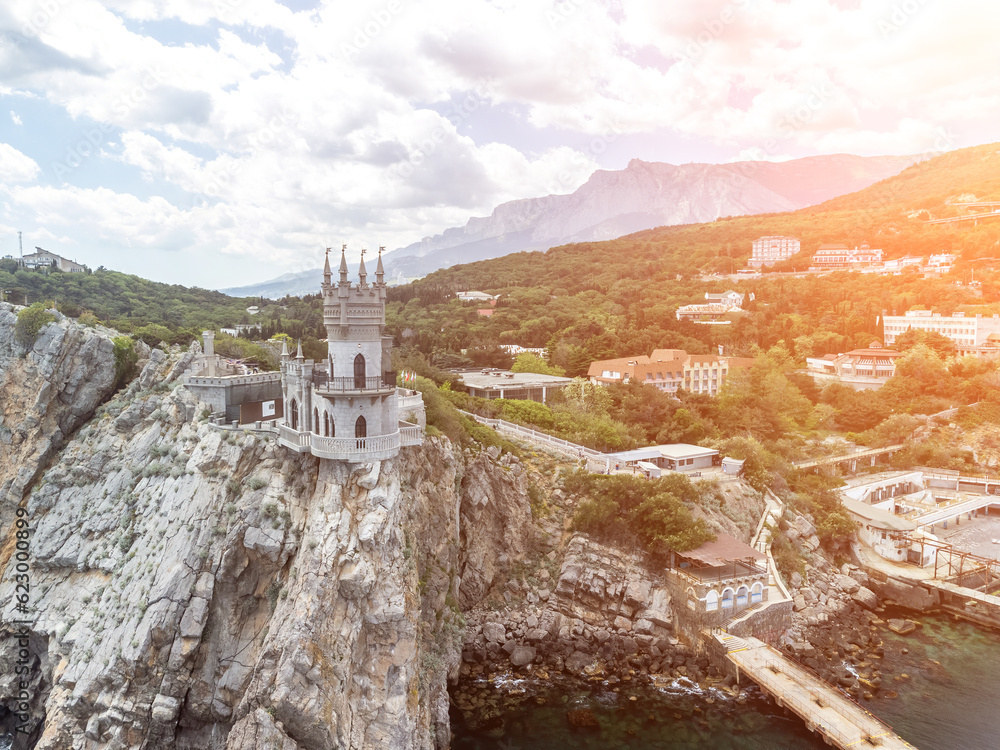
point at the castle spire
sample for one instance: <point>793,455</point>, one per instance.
<point>379,271</point>
<point>326,269</point>
<point>284,350</point>
<point>343,265</point>
<point>362,273</point>
<point>298,354</point>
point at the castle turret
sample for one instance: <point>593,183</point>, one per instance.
<point>345,408</point>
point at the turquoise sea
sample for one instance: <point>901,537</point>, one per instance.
<point>949,700</point>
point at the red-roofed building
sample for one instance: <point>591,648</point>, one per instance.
<point>669,370</point>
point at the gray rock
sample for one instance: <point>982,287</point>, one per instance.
<point>494,632</point>
<point>623,623</point>
<point>165,709</point>
<point>266,542</point>
<point>577,661</point>
<point>644,627</point>
<point>866,598</point>
<point>846,584</point>
<point>522,656</point>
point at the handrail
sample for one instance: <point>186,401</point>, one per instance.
<point>535,434</point>
<point>349,384</point>
<point>864,453</point>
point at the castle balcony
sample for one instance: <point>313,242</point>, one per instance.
<point>381,385</point>
<point>410,434</point>
<point>353,450</point>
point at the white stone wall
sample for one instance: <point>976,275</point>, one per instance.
<point>344,353</point>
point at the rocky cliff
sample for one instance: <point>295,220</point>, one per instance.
<point>195,587</point>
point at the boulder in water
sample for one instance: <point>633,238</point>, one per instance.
<point>901,627</point>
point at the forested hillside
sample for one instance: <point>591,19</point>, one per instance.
<point>590,301</point>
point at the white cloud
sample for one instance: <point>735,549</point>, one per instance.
<point>385,120</point>
<point>15,118</point>
<point>15,167</point>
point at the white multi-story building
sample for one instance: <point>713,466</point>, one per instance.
<point>769,250</point>
<point>44,259</point>
<point>346,407</point>
<point>842,257</point>
<point>963,330</point>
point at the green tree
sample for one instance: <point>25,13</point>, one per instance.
<point>664,523</point>
<point>587,397</point>
<point>943,345</point>
<point>529,362</point>
<point>30,321</point>
<point>126,360</point>
<point>527,412</point>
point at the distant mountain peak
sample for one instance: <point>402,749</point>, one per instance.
<point>613,203</point>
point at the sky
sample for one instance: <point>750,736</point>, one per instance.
<point>216,143</point>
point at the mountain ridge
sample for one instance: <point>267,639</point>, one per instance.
<point>614,203</point>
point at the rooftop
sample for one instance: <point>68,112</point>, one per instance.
<point>877,517</point>
<point>879,477</point>
<point>508,379</point>
<point>724,550</point>
<point>673,450</point>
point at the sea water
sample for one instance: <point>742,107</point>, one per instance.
<point>949,699</point>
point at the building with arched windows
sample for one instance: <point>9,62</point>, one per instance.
<point>720,578</point>
<point>347,407</point>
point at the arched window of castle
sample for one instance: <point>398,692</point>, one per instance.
<point>316,420</point>
<point>361,428</point>
<point>293,413</point>
<point>359,371</point>
<point>741,596</point>
<point>727,598</point>
<point>757,592</point>
<point>712,601</point>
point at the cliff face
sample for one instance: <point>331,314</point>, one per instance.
<point>193,587</point>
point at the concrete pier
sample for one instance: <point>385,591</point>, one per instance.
<point>841,722</point>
